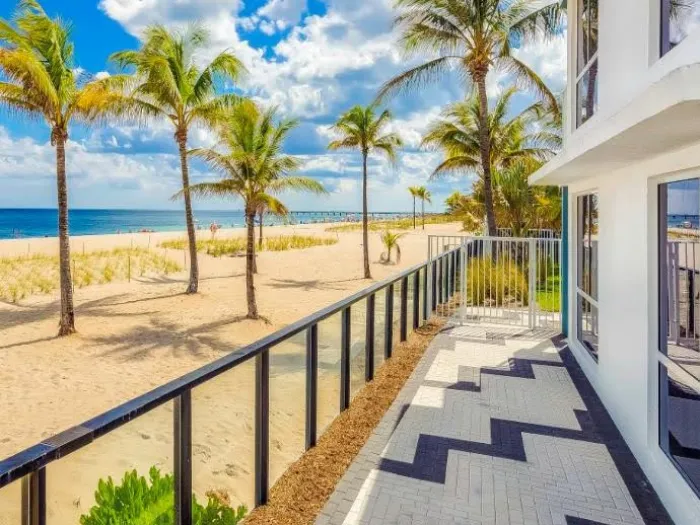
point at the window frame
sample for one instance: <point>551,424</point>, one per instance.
<point>581,72</point>
<point>660,362</point>
<point>579,293</point>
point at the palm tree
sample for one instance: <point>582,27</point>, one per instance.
<point>391,243</point>
<point>511,139</point>
<point>361,129</point>
<point>38,78</point>
<point>171,84</point>
<point>249,157</point>
<point>272,206</point>
<point>413,190</point>
<point>474,37</point>
<point>425,196</point>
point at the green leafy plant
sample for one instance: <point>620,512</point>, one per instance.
<point>138,501</point>
<point>390,241</point>
<point>496,283</point>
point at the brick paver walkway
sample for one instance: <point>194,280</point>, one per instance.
<point>497,425</point>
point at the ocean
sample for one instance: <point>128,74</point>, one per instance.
<point>26,223</point>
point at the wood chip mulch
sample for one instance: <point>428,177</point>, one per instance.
<point>300,494</point>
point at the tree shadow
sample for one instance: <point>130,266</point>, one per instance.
<point>141,342</point>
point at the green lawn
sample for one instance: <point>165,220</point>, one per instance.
<point>549,294</point>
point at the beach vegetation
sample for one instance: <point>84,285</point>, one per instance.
<point>39,78</point>
<point>394,224</point>
<point>140,500</point>
<point>237,245</point>
<point>25,276</point>
<point>360,128</point>
<point>506,284</point>
<point>169,83</point>
<point>390,240</point>
<point>475,38</point>
<point>253,168</point>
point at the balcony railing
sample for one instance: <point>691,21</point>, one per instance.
<point>173,427</point>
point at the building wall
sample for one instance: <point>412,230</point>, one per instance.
<point>626,375</point>
<point>628,58</point>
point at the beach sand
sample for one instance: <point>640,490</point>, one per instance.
<point>135,336</point>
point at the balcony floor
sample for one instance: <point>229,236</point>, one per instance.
<point>497,425</point>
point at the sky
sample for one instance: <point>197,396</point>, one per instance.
<point>313,59</point>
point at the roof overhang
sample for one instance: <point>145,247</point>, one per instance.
<point>666,117</point>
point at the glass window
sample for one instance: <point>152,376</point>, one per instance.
<point>679,273</point>
<point>587,273</point>
<point>679,425</point>
<point>587,62</point>
<point>679,18</point>
<point>679,339</point>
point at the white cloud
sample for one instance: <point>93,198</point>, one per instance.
<point>100,75</point>
<point>288,12</point>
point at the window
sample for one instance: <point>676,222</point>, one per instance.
<point>678,19</point>
<point>587,61</point>
<point>679,329</point>
<point>587,273</point>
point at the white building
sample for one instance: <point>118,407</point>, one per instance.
<point>631,163</point>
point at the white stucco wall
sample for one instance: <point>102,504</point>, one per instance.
<point>626,375</point>
<point>628,57</point>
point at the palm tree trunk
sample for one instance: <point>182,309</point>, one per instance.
<point>67,322</point>
<point>365,226</point>
<point>189,218</point>
<point>250,265</point>
<point>485,148</point>
<point>422,207</point>
<point>414,212</point>
<point>260,233</point>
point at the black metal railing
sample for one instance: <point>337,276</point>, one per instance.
<point>29,504</point>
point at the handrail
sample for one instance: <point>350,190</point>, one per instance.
<point>34,458</point>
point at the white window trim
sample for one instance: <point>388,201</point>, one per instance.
<point>590,363</point>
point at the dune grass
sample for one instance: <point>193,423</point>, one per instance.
<point>395,224</point>
<point>24,276</point>
<point>236,245</point>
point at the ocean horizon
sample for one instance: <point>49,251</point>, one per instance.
<point>16,223</point>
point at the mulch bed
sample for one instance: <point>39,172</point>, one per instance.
<point>300,494</point>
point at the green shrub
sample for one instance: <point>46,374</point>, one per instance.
<point>491,283</point>
<point>136,501</point>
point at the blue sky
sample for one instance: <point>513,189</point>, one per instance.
<point>312,58</point>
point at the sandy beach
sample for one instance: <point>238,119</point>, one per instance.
<point>134,336</point>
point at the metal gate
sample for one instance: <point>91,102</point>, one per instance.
<point>515,281</point>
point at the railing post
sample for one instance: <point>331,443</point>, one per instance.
<point>345,360</point>
<point>311,384</point>
<point>369,339</point>
<point>183,458</point>
<point>691,303</point>
<point>404,309</point>
<point>34,498</point>
<point>389,321</point>
<point>426,297</point>
<point>416,299</point>
<point>262,426</point>
<point>532,277</point>
<point>433,277</point>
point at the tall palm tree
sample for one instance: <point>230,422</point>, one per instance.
<point>526,136</point>
<point>425,196</point>
<point>361,129</point>
<point>413,190</point>
<point>253,167</point>
<point>38,79</point>
<point>170,83</point>
<point>474,37</point>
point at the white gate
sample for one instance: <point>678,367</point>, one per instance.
<point>515,281</point>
